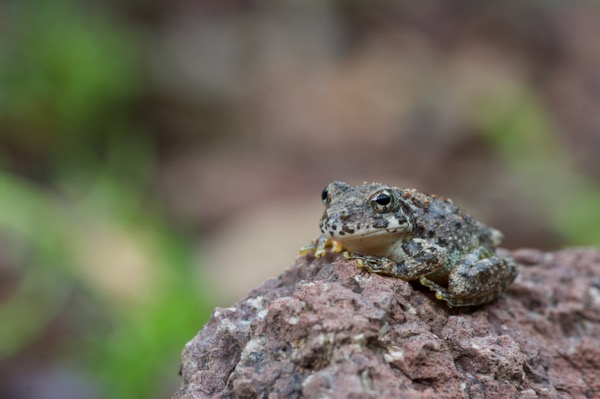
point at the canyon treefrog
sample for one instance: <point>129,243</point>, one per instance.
<point>407,234</point>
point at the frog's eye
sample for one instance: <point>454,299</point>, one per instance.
<point>382,201</point>
<point>325,196</point>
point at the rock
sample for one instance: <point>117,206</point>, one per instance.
<point>326,329</point>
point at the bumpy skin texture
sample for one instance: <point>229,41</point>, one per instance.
<point>414,236</point>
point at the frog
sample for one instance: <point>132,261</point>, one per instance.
<point>414,236</point>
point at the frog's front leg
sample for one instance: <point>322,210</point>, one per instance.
<point>419,257</point>
<point>475,280</point>
<point>319,246</point>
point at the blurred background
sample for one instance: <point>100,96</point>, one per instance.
<point>159,158</point>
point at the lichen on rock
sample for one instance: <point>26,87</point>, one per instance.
<point>324,328</point>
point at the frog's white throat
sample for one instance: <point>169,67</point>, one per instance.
<point>376,243</point>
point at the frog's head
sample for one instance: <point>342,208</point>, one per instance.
<point>359,213</point>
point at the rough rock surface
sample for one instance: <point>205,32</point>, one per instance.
<point>325,329</point>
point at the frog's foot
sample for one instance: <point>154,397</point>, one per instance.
<point>372,264</point>
<point>441,293</point>
<point>319,246</point>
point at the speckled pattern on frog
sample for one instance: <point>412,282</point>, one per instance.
<point>411,235</point>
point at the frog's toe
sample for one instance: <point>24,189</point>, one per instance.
<point>319,247</point>
<point>360,260</point>
<point>440,292</point>
<point>307,249</point>
<point>319,252</point>
<point>336,246</point>
<point>372,264</point>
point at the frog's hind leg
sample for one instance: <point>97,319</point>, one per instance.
<point>476,281</point>
<point>442,294</point>
<point>492,274</point>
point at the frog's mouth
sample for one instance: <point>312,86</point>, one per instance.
<point>343,236</point>
<point>386,227</point>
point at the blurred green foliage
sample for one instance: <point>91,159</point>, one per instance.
<point>77,161</point>
<point>68,75</point>
<point>521,129</point>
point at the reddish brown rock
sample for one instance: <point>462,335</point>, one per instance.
<point>326,329</point>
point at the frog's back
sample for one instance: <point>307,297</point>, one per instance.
<point>438,219</point>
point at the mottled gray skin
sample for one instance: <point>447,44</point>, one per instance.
<point>411,235</point>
